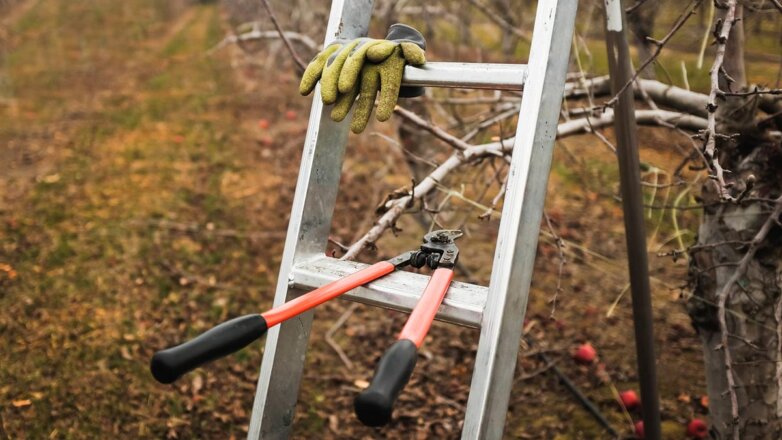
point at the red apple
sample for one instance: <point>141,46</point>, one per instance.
<point>263,123</point>
<point>639,429</point>
<point>585,354</point>
<point>697,428</point>
<point>290,115</point>
<point>629,399</point>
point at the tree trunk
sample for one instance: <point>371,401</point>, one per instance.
<point>641,23</point>
<point>734,54</point>
<point>416,142</point>
<point>754,303</point>
<point>505,10</point>
<point>752,317</point>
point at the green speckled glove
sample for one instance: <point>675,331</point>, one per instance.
<point>332,67</point>
<point>379,64</point>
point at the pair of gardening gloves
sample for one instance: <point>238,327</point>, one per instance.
<point>360,69</point>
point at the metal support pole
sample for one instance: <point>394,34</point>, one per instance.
<point>621,71</point>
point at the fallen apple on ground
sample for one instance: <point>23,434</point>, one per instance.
<point>585,354</point>
<point>629,399</point>
<point>639,429</point>
<point>697,428</point>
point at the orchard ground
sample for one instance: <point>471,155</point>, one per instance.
<point>145,187</point>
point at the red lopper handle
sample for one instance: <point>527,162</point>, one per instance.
<point>421,318</point>
<point>329,291</point>
<point>375,405</point>
<point>169,364</point>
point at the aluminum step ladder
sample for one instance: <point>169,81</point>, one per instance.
<point>498,310</point>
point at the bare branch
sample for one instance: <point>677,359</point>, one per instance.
<point>257,34</point>
<point>756,91</point>
<point>631,9</point>
<point>493,16</point>
<point>689,12</point>
<point>643,117</point>
<point>663,94</point>
<point>333,329</point>
<point>438,132</point>
<point>562,261</point>
<point>299,63</point>
<point>777,4</point>
<point>471,153</point>
<point>710,149</point>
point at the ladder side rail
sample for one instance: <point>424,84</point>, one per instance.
<point>515,250</point>
<point>274,407</point>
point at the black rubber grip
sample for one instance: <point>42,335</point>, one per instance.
<point>375,404</point>
<point>170,364</point>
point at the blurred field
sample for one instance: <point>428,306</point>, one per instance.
<point>142,200</point>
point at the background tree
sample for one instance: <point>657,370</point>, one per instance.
<point>737,261</point>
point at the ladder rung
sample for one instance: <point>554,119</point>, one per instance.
<point>399,290</point>
<point>467,75</point>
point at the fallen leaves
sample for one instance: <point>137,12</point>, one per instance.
<point>21,403</point>
<point>7,271</point>
<point>197,383</point>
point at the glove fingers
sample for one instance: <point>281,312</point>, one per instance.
<point>343,104</point>
<point>328,82</point>
<point>314,70</point>
<point>379,52</point>
<point>413,54</point>
<point>355,61</point>
<point>391,72</point>
<point>370,83</point>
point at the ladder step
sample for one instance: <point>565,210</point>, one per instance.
<point>467,75</point>
<point>399,290</point>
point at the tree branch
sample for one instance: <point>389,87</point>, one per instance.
<point>777,4</point>
<point>643,117</point>
<point>438,132</point>
<point>396,207</point>
<point>709,149</point>
<point>659,47</point>
<point>257,34</point>
<point>663,94</point>
<point>493,16</point>
<point>299,63</point>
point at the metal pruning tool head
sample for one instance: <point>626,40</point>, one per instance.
<point>438,249</point>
